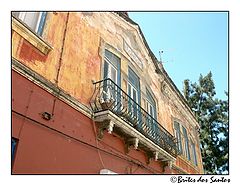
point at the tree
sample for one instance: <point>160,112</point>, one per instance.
<point>212,115</point>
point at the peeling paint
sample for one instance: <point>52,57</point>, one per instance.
<point>82,63</point>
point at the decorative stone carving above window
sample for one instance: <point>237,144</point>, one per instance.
<point>132,54</point>
<point>166,91</point>
<point>161,78</point>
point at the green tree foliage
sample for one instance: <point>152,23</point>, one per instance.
<point>212,115</point>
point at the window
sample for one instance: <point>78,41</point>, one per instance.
<point>152,111</point>
<point>186,144</point>
<point>111,71</point>
<point>178,136</point>
<point>134,93</point>
<point>112,67</point>
<point>14,145</point>
<point>133,85</point>
<point>151,105</point>
<point>186,147</point>
<point>35,20</point>
<point>194,155</point>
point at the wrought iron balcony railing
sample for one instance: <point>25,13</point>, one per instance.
<point>109,96</point>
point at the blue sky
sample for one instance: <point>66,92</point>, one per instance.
<point>193,43</point>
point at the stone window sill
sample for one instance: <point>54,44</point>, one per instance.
<point>30,36</point>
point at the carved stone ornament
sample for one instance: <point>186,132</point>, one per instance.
<point>168,164</point>
<point>131,142</point>
<point>152,156</point>
<point>155,155</point>
<point>132,54</point>
<point>166,91</point>
<point>105,125</point>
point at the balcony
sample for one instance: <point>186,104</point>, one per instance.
<point>115,111</point>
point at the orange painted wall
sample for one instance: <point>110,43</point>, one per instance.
<point>80,61</point>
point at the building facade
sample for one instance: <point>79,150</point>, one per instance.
<point>90,97</point>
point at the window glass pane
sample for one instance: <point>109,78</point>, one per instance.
<point>35,20</point>
<point>178,136</point>
<point>134,95</point>
<point>194,154</point>
<point>150,98</point>
<point>179,140</point>
<point>153,105</point>
<point>129,90</point>
<point>130,102</point>
<point>151,110</point>
<point>112,58</point>
<point>133,78</point>
<point>16,14</point>
<point>31,19</point>
<point>41,24</point>
<point>113,74</point>
<point>114,67</point>
<point>14,144</point>
<point>106,66</point>
<point>110,72</point>
<point>186,143</point>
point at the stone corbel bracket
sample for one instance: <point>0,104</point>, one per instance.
<point>131,142</point>
<point>168,164</point>
<point>152,156</point>
<point>105,125</point>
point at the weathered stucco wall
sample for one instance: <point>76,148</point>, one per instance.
<point>80,62</point>
<point>78,42</point>
<point>45,65</point>
<point>114,32</point>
